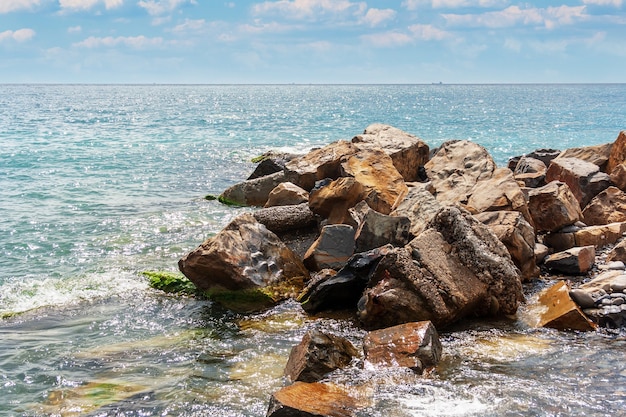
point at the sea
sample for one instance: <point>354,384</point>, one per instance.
<point>101,183</point>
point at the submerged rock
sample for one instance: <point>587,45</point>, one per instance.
<point>315,399</point>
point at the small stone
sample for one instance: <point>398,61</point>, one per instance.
<point>618,295</point>
<point>582,298</point>
<point>613,266</point>
<point>618,301</point>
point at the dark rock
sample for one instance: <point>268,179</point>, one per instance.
<point>270,163</point>
<point>544,155</point>
<point>574,261</point>
<point>376,229</point>
<point>332,249</point>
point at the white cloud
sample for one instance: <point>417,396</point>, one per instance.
<point>21,35</point>
<point>159,7</point>
<point>375,17</point>
<point>88,4</point>
<point>452,4</point>
<point>306,9</point>
<point>7,6</point>
<point>514,15</point>
<point>415,33</point>
<point>388,39</point>
<point>190,25</point>
<point>616,3</point>
<point>74,29</point>
<point>259,27</point>
<point>134,42</point>
<point>428,33</point>
<point>513,44</point>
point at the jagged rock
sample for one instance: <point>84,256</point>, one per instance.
<point>411,345</point>
<point>314,399</point>
<point>341,291</point>
<point>383,185</point>
<point>544,155</point>
<point>245,255</point>
<point>376,229</point>
<point>607,207</point>
<point>561,312</point>
<point>454,269</point>
<point>553,206</point>
<point>280,219</point>
<point>583,178</point>
<point>618,253</point>
<point>318,354</point>
<point>333,199</point>
<point>332,249</point>
<point>618,177</point>
<point>498,192</point>
<point>419,206</point>
<point>252,192</point>
<point>517,235</point>
<point>408,152</point>
<point>270,163</point>
<point>597,155</point>
<point>287,194</point>
<point>618,152</point>
<point>574,261</point>
<point>455,169</point>
<point>530,171</point>
<point>597,236</point>
<point>318,164</point>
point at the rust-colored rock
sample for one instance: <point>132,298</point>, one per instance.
<point>618,253</point>
<point>333,199</point>
<point>314,399</point>
<point>618,177</point>
<point>574,261</point>
<point>553,207</point>
<point>599,236</point>
<point>287,194</point>
<point>597,154</point>
<point>618,152</point>
<point>561,312</point>
<point>583,178</point>
<point>607,207</point>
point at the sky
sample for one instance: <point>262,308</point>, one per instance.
<point>312,41</point>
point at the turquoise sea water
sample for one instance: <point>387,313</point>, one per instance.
<point>99,183</point>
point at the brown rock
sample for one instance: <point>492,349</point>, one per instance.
<point>286,194</point>
<point>527,165</point>
<point>332,249</point>
<point>376,229</point>
<point>597,155</point>
<point>618,177</point>
<point>318,354</point>
<point>517,235</point>
<point>304,399</point>
<point>531,179</point>
<point>618,152</point>
<point>544,155</point>
<point>599,236</point>
<point>561,311</point>
<point>333,199</point>
<point>583,178</point>
<point>609,282</point>
<point>607,207</point>
<point>410,345</point>
<point>574,261</point>
<point>553,206</point>
<point>618,253</point>
<point>280,219</point>
<point>252,192</point>
<point>419,206</point>
<point>408,152</point>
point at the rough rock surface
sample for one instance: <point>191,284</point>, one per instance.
<point>285,218</point>
<point>270,163</point>
<point>376,229</point>
<point>553,207</point>
<point>597,236</point>
<point>560,310</point>
<point>314,399</point>
<point>252,192</point>
<point>618,152</point>
<point>574,261</point>
<point>419,206</point>
<point>597,155</point>
<point>332,249</point>
<point>286,194</point>
<point>607,207</point>
<point>332,200</point>
<point>583,178</point>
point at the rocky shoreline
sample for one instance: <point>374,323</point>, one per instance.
<point>412,240</point>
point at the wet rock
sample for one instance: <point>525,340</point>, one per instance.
<point>376,229</point>
<point>245,255</point>
<point>618,152</point>
<point>270,163</point>
<point>318,354</point>
<point>408,152</point>
<point>411,345</point>
<point>318,164</point>
<point>455,169</point>
<point>574,261</point>
<point>583,178</point>
<point>597,154</point>
<point>252,192</point>
<point>419,206</point>
<point>342,290</point>
<point>332,249</point>
<point>315,399</point>
<point>287,194</point>
<point>332,200</point>
<point>553,206</point>
<point>561,312</point>
<point>603,299</point>
<point>517,235</point>
<point>607,207</point>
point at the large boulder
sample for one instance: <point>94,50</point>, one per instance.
<point>553,207</point>
<point>597,154</point>
<point>419,206</point>
<point>584,179</point>
<point>530,171</point>
<point>597,236</point>
<point>245,259</point>
<point>408,152</point>
<point>332,249</point>
<point>618,177</point>
<point>456,268</point>
<point>618,152</point>
<point>574,261</point>
<point>455,169</point>
<point>253,192</point>
<point>270,163</point>
<point>332,199</point>
<point>517,235</point>
<point>280,219</point>
<point>286,194</point>
<point>607,207</point>
<point>376,229</point>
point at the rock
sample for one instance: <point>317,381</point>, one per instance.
<point>528,165</point>
<point>332,249</point>
<point>496,193</point>
<point>618,253</point>
<point>244,256</point>
<point>544,155</point>
<point>318,164</point>
<point>304,399</point>
<point>609,282</point>
<point>517,235</point>
<point>618,152</point>
<point>541,251</point>
<point>583,178</point>
<point>553,206</point>
<point>341,291</point>
<point>252,192</point>
<point>597,155</point>
<point>270,163</point>
<point>618,176</point>
<point>285,218</point>
<point>573,261</point>
<point>411,345</point>
<point>455,269</point>
<point>561,312</point>
<point>384,187</point>
<point>603,299</point>
<point>531,179</point>
<point>332,199</point>
<point>607,207</point>
<point>318,354</point>
<point>614,265</point>
<point>597,236</point>
<point>376,229</point>
<point>408,152</point>
<point>287,194</point>
<point>419,206</point>
<point>455,169</point>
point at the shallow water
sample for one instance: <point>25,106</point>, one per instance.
<point>100,183</point>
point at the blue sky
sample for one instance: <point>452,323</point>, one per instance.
<point>312,41</point>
